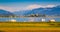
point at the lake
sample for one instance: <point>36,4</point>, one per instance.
<point>21,19</point>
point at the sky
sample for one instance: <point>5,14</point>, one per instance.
<point>20,5</point>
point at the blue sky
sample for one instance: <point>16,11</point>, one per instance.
<point>15,5</point>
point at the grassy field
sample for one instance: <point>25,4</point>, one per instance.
<point>29,26</point>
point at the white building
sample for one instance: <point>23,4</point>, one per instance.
<point>12,20</point>
<point>43,20</point>
<point>52,20</point>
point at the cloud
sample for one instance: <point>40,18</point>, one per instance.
<point>11,9</point>
<point>50,6</point>
<point>29,7</point>
<point>32,6</point>
<point>38,6</point>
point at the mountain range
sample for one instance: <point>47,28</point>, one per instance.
<point>46,11</point>
<point>5,13</point>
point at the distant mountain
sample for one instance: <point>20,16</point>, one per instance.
<point>47,11</point>
<point>5,13</point>
<point>22,13</point>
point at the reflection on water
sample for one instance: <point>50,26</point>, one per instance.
<point>29,19</point>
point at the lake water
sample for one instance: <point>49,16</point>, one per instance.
<point>36,19</point>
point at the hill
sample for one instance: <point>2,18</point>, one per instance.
<point>5,13</point>
<point>46,11</point>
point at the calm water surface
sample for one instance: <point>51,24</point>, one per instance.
<point>36,19</point>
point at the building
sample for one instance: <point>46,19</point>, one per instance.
<point>43,20</point>
<point>52,20</point>
<point>12,20</point>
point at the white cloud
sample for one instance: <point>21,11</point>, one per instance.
<point>9,8</point>
<point>32,6</point>
<point>50,6</point>
<point>39,6</point>
<point>29,7</point>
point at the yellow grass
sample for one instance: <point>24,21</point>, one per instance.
<point>28,27</point>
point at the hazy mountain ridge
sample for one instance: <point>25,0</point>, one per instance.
<point>47,11</point>
<point>5,13</point>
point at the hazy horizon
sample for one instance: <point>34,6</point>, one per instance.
<point>16,5</point>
